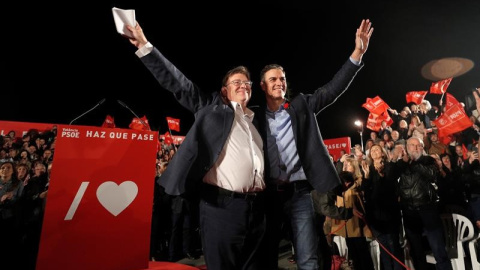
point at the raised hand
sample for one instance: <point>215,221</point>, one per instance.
<point>139,40</point>
<point>362,39</point>
<point>366,169</point>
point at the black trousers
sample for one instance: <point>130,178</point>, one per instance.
<point>232,228</point>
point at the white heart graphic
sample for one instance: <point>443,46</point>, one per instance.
<point>344,144</point>
<point>116,198</point>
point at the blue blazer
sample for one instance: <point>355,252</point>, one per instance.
<point>313,153</point>
<point>205,139</point>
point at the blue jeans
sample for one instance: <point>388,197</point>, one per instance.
<point>304,229</point>
<point>390,241</point>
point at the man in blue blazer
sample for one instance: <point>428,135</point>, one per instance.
<point>296,158</point>
<point>221,158</point>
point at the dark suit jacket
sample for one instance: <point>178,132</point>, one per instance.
<point>205,139</point>
<point>314,157</point>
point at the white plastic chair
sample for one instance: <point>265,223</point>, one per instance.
<point>375,254</point>
<point>473,252</point>
<point>341,245</point>
<point>457,230</point>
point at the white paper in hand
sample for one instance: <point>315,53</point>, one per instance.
<point>122,17</point>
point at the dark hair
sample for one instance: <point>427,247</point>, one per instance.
<point>269,67</point>
<point>236,70</point>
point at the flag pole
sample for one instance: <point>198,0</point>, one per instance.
<point>173,141</point>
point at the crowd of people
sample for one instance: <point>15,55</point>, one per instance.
<point>25,165</point>
<point>406,178</point>
<point>370,177</point>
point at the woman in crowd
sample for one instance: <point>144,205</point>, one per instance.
<point>354,229</point>
<point>382,208</point>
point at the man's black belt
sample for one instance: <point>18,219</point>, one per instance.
<point>212,191</point>
<point>297,185</point>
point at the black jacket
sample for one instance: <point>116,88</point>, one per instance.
<point>417,185</point>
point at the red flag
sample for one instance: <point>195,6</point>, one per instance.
<point>374,121</point>
<point>440,87</point>
<point>416,96</point>
<point>375,105</point>
<point>168,138</point>
<point>451,101</point>
<point>173,124</point>
<point>109,122</point>
<point>452,120</point>
<point>139,123</point>
<point>445,140</point>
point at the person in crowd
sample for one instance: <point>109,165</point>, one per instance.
<point>397,117</point>
<point>222,155</point>
<point>32,203</point>
<point>374,137</point>
<point>419,204</point>
<point>414,109</point>
<point>355,230</point>
<point>23,173</point>
<point>434,146</point>
<point>403,130</point>
<point>417,128</point>
<point>459,156</point>
<point>341,159</point>
<point>358,152</point>
<point>424,113</point>
<point>381,205</point>
<point>384,129</point>
<point>25,158</point>
<point>10,191</point>
<point>296,157</point>
<point>389,144</point>
<point>451,187</point>
<point>395,136</point>
<point>161,211</point>
<point>471,169</point>
<point>13,153</point>
<point>369,143</point>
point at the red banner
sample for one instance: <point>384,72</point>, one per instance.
<point>416,96</point>
<point>451,101</point>
<point>335,145</point>
<point>452,120</point>
<point>440,87</point>
<point>99,205</point>
<point>173,124</point>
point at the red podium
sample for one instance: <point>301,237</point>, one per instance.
<point>99,204</point>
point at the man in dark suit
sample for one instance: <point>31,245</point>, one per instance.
<point>296,158</point>
<point>222,155</point>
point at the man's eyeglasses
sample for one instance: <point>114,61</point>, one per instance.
<point>239,83</point>
<point>417,146</point>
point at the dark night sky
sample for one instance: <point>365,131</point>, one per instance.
<point>73,49</point>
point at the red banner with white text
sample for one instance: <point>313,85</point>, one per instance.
<point>452,121</point>
<point>99,204</point>
<point>336,145</point>
<point>173,123</point>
